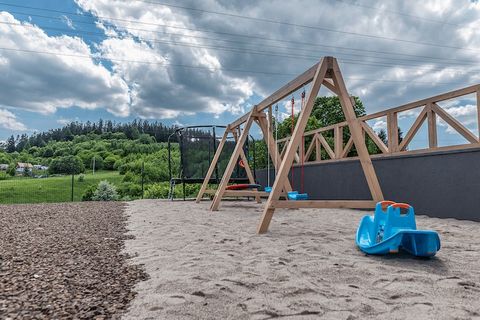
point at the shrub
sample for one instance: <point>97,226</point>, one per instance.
<point>81,178</point>
<point>3,176</point>
<point>109,162</point>
<point>11,170</point>
<point>157,191</point>
<point>105,192</point>
<point>88,193</point>
<point>129,189</point>
<point>67,165</point>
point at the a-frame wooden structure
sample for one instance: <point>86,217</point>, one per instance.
<point>326,72</point>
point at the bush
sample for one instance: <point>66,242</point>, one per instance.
<point>3,176</point>
<point>11,170</point>
<point>109,162</point>
<point>105,192</point>
<point>130,177</point>
<point>157,191</point>
<point>129,189</point>
<point>88,193</point>
<point>81,178</point>
<point>66,165</point>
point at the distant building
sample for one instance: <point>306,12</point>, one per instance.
<point>4,166</point>
<point>40,167</point>
<point>22,166</point>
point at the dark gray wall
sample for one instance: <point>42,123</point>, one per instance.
<point>440,184</point>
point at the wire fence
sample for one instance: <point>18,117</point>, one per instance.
<point>42,187</point>
<point>52,188</point>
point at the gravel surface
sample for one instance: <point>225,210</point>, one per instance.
<point>65,260</point>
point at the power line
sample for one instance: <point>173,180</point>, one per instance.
<point>248,50</point>
<point>200,67</point>
<point>217,32</point>
<point>304,26</point>
<point>260,20</point>
<point>401,13</point>
<point>265,53</point>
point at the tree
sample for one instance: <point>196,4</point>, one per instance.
<point>10,144</point>
<point>67,165</point>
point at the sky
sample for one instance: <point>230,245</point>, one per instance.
<point>191,62</point>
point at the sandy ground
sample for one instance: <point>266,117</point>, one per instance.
<point>205,265</point>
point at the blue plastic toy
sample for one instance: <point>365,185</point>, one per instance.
<point>294,195</point>
<point>389,230</point>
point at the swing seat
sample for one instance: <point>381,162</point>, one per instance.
<point>245,186</point>
<point>389,230</point>
<point>294,195</point>
<point>268,189</point>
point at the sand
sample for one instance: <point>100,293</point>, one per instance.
<point>205,265</point>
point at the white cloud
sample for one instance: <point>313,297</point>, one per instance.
<point>162,88</point>
<point>9,121</point>
<point>44,82</point>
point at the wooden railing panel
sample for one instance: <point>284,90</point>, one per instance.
<point>431,110</point>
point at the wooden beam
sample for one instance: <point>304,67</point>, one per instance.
<point>287,160</point>
<point>413,130</point>
<point>232,162</point>
<point>310,149</point>
<point>432,127</point>
<point>325,144</point>
<point>347,148</point>
<point>478,111</point>
<point>248,171</point>
<point>338,137</point>
<point>454,123</point>
<point>274,155</point>
<point>318,148</point>
<point>218,152</point>
<point>357,135</point>
<point>376,139</point>
<point>245,193</point>
<point>392,128</point>
<point>329,84</point>
<point>419,103</point>
<point>353,204</point>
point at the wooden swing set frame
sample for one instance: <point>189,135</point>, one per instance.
<point>326,72</point>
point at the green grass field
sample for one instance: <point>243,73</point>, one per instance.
<point>53,189</point>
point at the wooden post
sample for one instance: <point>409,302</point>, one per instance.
<point>292,147</point>
<point>318,148</point>
<point>338,137</point>
<point>432,127</point>
<point>392,128</point>
<point>218,152</point>
<point>232,162</point>
<point>478,112</point>
<point>356,131</point>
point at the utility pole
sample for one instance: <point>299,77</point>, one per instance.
<point>93,167</point>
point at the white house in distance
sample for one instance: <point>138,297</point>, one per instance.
<point>4,166</point>
<point>22,166</point>
<point>40,167</point>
